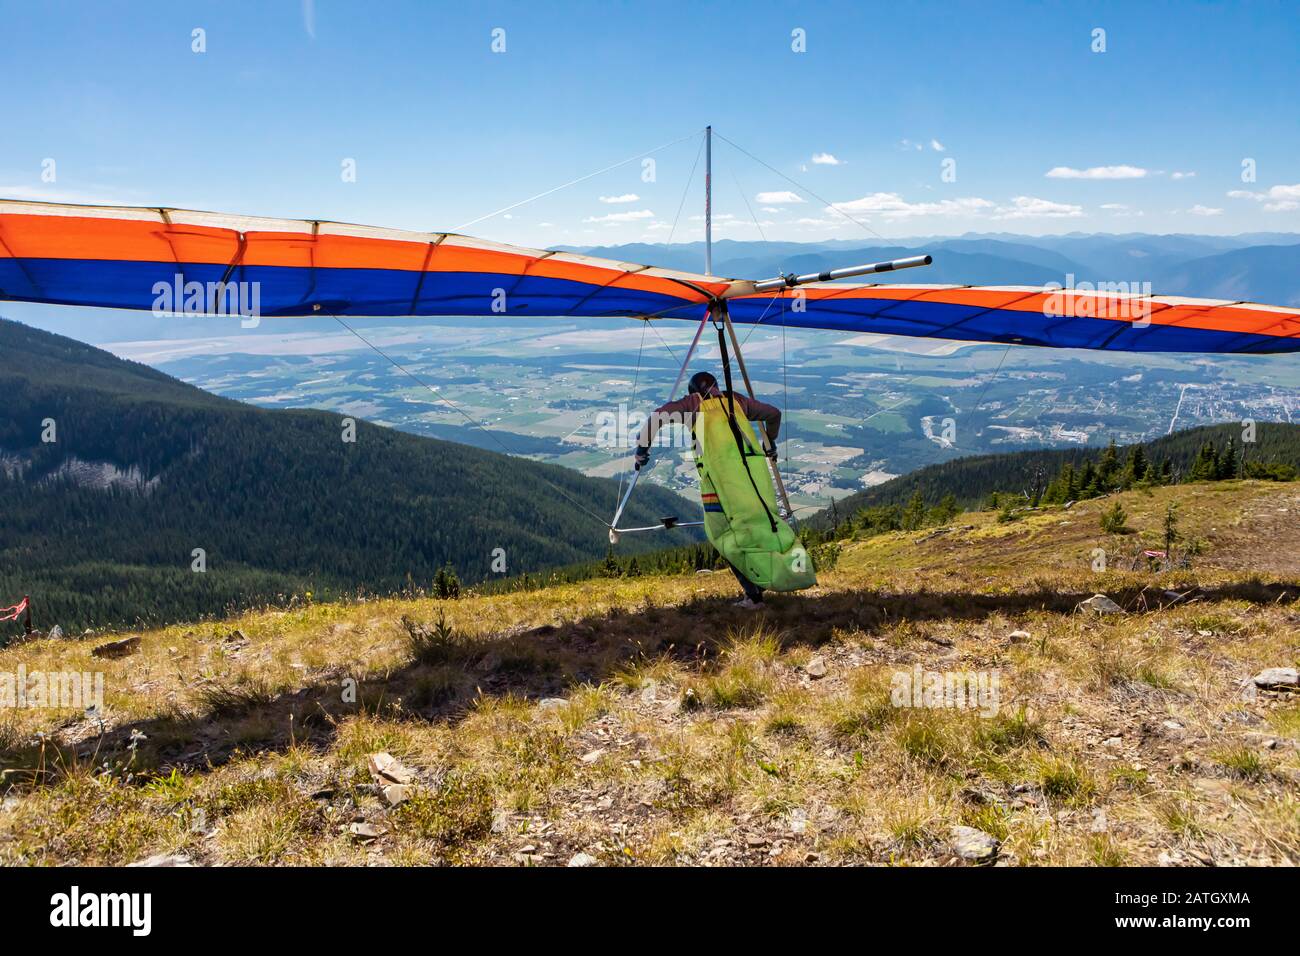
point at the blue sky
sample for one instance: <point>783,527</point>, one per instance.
<point>1148,136</point>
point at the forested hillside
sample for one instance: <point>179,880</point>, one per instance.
<point>113,474</point>
<point>972,480</point>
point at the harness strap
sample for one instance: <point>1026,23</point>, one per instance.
<point>735,429</point>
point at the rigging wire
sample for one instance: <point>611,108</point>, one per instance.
<point>685,192</point>
<point>468,417</point>
<point>574,182</point>
<point>690,180</point>
<point>829,205</point>
<point>631,403</point>
<point>975,408</point>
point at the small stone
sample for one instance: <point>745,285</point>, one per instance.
<point>1100,604</point>
<point>583,859</point>
<point>755,840</point>
<point>164,859</point>
<point>1017,637</point>
<point>365,832</point>
<point>1172,725</point>
<point>128,645</point>
<point>593,756</point>
<point>386,768</point>
<point>1278,678</point>
<point>816,668</point>
<point>974,845</point>
<point>396,794</point>
<point>979,796</point>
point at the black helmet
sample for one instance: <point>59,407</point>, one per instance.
<point>702,383</point>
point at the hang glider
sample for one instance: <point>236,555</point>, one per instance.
<point>135,258</point>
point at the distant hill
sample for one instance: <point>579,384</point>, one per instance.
<point>1260,267</point>
<point>971,480</point>
<point>1261,274</point>
<point>100,525</point>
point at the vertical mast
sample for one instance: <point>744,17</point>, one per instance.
<point>708,200</point>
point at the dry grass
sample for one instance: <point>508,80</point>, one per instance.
<point>647,721</point>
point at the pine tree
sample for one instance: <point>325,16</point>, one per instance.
<point>914,513</point>
<point>1087,481</point>
<point>1114,520</point>
<point>610,568</point>
<point>945,510</point>
<point>1206,465</point>
<point>1228,466</point>
<point>1108,467</point>
<point>1171,529</point>
<point>1134,467</point>
<point>446,584</point>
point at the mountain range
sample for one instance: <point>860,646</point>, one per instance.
<point>1262,267</point>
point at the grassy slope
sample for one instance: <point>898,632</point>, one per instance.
<point>647,721</point>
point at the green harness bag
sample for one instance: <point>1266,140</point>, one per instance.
<point>740,513</point>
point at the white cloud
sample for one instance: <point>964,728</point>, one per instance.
<point>1180,175</point>
<point>937,146</point>
<point>825,159</point>
<point>778,196</point>
<point>1097,172</point>
<point>1199,210</point>
<point>626,197</point>
<point>1114,206</point>
<point>629,216</point>
<point>772,209</point>
<point>1030,207</point>
<point>1275,198</point>
<point>893,206</point>
<point>908,144</point>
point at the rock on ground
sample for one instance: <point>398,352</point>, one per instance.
<point>974,845</point>
<point>128,645</point>
<point>1100,604</point>
<point>164,859</point>
<point>1278,678</point>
